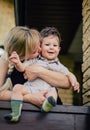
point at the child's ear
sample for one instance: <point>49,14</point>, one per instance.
<point>59,48</point>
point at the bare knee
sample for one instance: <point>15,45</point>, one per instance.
<point>17,88</point>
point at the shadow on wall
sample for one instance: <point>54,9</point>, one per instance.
<point>68,96</point>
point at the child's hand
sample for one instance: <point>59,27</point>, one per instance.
<point>14,58</point>
<point>76,86</point>
<point>74,82</point>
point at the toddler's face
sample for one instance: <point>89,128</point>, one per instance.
<point>50,47</point>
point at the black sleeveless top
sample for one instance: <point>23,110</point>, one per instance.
<point>17,77</point>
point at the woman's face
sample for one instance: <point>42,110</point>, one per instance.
<point>35,53</point>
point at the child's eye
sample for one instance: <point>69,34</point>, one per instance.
<point>47,44</point>
<point>55,45</point>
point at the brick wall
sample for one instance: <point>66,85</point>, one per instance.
<point>6,18</point>
<point>86,52</point>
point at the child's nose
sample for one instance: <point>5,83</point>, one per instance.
<point>51,46</point>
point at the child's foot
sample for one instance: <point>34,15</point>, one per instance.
<point>16,106</point>
<point>8,117</point>
<point>48,104</point>
<point>11,118</point>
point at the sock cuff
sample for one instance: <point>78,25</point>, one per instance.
<point>51,100</point>
<point>17,100</point>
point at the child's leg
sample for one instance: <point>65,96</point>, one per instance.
<point>16,103</point>
<point>34,99</point>
<point>50,102</point>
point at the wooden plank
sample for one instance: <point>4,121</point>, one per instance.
<point>57,109</point>
<point>60,118</point>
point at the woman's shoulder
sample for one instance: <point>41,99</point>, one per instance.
<point>4,56</point>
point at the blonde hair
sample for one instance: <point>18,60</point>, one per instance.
<point>22,40</point>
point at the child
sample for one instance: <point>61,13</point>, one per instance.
<point>50,47</point>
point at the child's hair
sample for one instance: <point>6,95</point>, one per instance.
<point>50,31</point>
<point>22,40</point>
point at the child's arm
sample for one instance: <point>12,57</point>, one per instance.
<point>74,82</point>
<point>14,58</point>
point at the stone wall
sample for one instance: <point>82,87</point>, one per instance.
<point>86,52</point>
<point>7,20</point>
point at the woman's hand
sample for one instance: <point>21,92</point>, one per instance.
<point>36,98</point>
<point>31,72</point>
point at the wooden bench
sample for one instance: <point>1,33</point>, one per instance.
<point>60,118</point>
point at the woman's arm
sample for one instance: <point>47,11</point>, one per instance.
<point>56,79</point>
<point>3,69</point>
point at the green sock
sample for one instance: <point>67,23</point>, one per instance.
<point>16,106</point>
<point>48,104</point>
